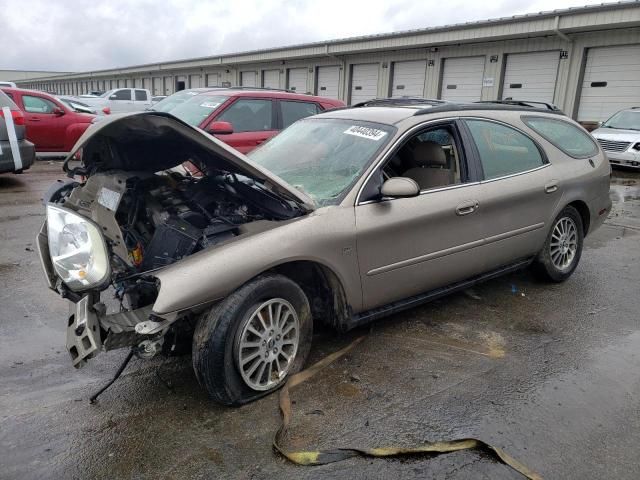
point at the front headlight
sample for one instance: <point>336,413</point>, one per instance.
<point>77,249</point>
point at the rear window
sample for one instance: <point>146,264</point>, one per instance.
<point>141,96</point>
<point>5,101</point>
<point>294,111</point>
<point>563,135</point>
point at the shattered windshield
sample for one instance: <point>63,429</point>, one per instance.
<point>323,157</point>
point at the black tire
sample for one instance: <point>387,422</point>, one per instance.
<point>215,337</point>
<point>543,265</point>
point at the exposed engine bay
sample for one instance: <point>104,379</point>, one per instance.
<point>153,220</point>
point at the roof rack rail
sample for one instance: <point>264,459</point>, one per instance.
<point>263,88</point>
<point>398,101</point>
<point>523,103</point>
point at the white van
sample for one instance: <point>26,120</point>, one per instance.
<point>7,84</point>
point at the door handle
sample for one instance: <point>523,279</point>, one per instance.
<point>465,208</point>
<point>551,187</point>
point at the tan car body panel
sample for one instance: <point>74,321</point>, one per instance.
<point>392,249</point>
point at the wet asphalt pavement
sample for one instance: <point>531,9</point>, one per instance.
<point>550,373</point>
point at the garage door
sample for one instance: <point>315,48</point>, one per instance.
<point>364,83</point>
<point>213,79</point>
<point>328,82</point>
<point>168,85</point>
<point>611,82</point>
<point>194,81</point>
<point>248,79</point>
<point>462,79</point>
<point>157,86</point>
<point>409,79</point>
<point>531,76</point>
<point>297,80</point>
<point>271,79</point>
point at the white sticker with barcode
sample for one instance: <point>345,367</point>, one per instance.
<point>109,199</point>
<point>366,132</point>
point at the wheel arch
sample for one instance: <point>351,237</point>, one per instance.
<point>323,288</point>
<point>584,212</point>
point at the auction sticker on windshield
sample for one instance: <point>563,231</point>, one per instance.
<point>210,104</point>
<point>366,132</point>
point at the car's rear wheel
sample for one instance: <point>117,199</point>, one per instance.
<point>250,343</point>
<point>562,250</point>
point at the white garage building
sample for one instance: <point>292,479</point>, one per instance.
<point>585,60</point>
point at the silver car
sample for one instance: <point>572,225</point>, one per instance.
<point>620,138</point>
<point>17,154</point>
<point>342,218</point>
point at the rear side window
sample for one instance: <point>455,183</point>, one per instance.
<point>6,100</point>
<point>37,104</point>
<point>503,150</point>
<point>141,96</point>
<point>563,135</point>
<point>294,111</point>
<point>249,115</point>
<point>121,95</point>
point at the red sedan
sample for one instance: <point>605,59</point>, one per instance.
<point>244,118</point>
<point>52,126</point>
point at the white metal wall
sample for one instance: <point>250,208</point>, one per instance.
<point>531,76</point>
<point>611,82</point>
<point>574,69</point>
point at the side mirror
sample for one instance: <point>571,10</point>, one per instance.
<point>220,128</point>
<point>400,187</point>
<point>113,97</point>
<point>58,112</point>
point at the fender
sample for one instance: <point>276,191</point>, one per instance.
<point>212,274</point>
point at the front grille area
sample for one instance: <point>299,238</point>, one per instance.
<point>613,146</point>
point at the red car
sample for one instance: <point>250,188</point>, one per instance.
<point>52,126</point>
<point>245,118</point>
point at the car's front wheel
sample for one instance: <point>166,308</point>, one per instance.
<point>250,343</point>
<point>562,249</point>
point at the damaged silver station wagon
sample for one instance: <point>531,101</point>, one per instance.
<point>342,218</point>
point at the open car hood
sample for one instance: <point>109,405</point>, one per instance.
<point>155,141</point>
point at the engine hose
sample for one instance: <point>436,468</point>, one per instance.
<point>323,457</point>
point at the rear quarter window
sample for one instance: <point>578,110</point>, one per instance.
<point>565,136</point>
<point>6,101</point>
